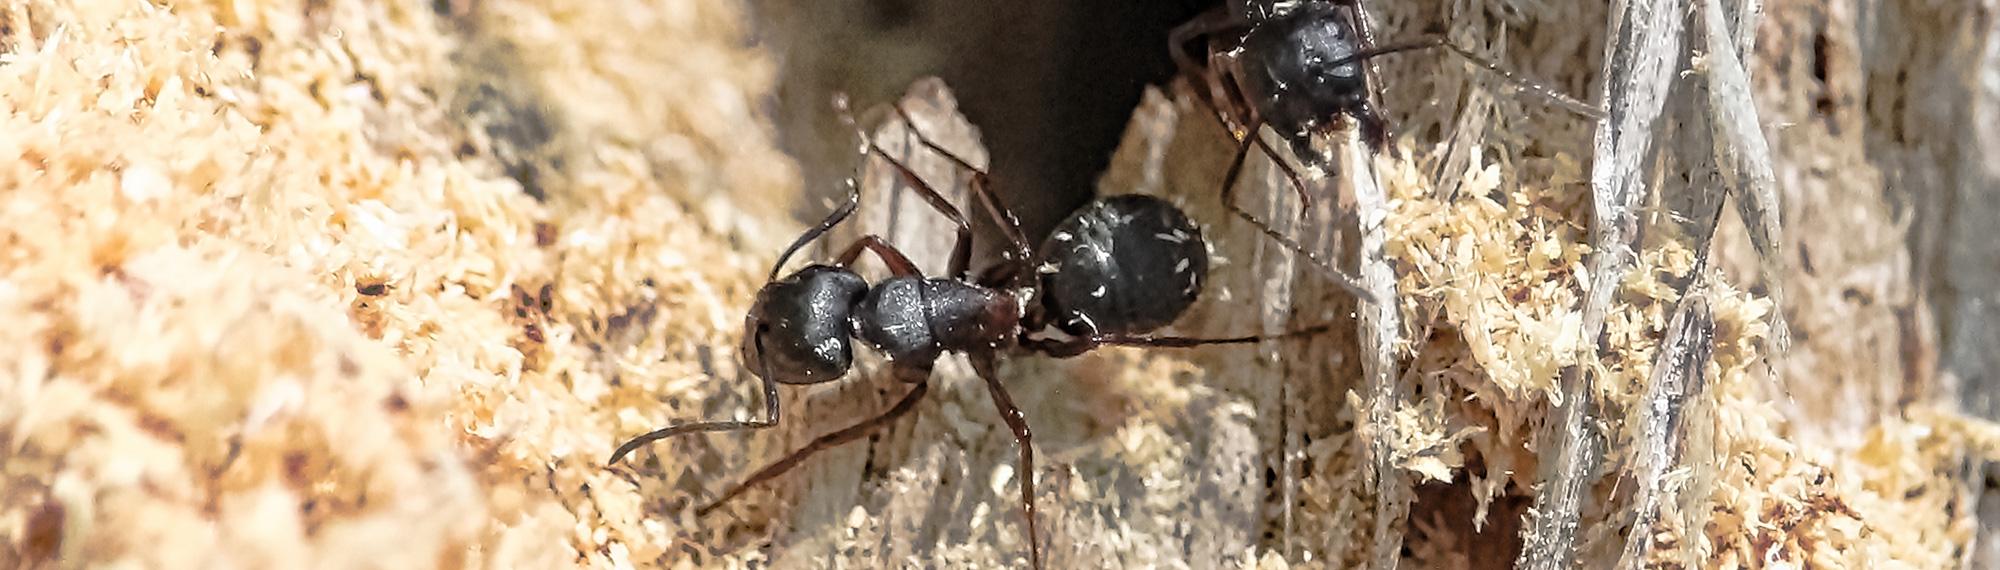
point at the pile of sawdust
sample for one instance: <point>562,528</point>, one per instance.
<point>273,298</point>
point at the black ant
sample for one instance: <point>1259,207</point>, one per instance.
<point>1297,66</point>
<point>1111,273</point>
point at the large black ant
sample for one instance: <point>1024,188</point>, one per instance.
<point>1297,66</point>
<point>1114,271</point>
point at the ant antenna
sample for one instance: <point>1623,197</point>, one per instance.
<point>770,417</point>
<point>839,214</point>
<point>846,115</point>
<point>1545,92</point>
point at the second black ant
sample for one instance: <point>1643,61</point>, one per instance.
<point>1299,67</point>
<point>1113,272</point>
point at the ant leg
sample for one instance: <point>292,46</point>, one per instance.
<point>1214,21</point>
<point>983,362</point>
<point>1023,250</point>
<point>1002,217</point>
<point>1298,185</point>
<point>1079,345</point>
<point>1430,41</point>
<point>822,443</point>
<point>770,414</point>
<point>1339,277</point>
<point>899,264</point>
<point>961,252</point>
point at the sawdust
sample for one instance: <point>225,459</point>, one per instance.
<point>363,285</point>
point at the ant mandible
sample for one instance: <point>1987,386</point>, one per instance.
<point>1297,66</point>
<point>1114,271</point>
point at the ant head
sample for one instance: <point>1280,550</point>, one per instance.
<point>797,332</point>
<point>1302,73</point>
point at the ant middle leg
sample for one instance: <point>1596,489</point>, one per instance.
<point>1211,92</point>
<point>828,441</point>
<point>1341,278</point>
<point>1010,227</point>
<point>961,251</point>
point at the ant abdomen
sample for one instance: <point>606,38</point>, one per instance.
<point>799,324</point>
<point>1122,265</point>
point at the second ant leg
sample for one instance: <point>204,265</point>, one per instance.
<point>1339,277</point>
<point>961,252</point>
<point>1214,21</point>
<point>1298,184</point>
<point>824,442</point>
<point>983,362</point>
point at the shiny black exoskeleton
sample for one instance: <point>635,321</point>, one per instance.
<point>1118,266</point>
<point>1298,67</point>
<point>1301,71</point>
<point>1122,265</point>
<point>1114,271</point>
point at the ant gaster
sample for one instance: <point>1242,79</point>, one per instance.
<point>1112,272</point>
<point>1298,66</point>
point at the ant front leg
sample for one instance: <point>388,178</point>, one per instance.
<point>983,363</point>
<point>899,265</point>
<point>1341,278</point>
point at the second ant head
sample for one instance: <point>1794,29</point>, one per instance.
<point>1301,73</point>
